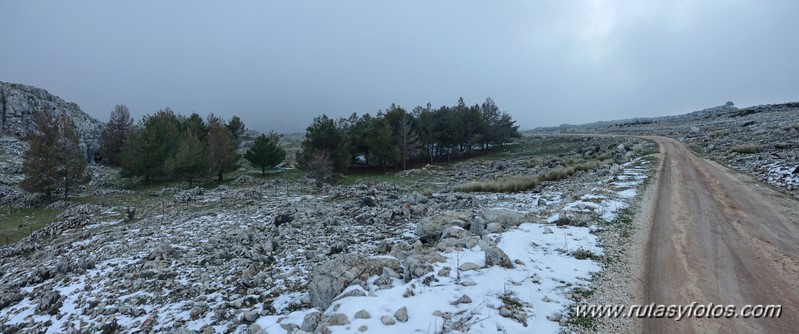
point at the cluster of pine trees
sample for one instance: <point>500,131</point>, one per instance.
<point>162,145</point>
<point>395,136</point>
<point>170,145</point>
<point>167,144</point>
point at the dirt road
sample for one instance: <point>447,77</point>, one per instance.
<point>722,237</point>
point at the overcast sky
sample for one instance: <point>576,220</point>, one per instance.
<point>279,64</point>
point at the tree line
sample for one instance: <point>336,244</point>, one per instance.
<point>167,144</point>
<point>161,145</point>
<point>394,136</point>
<point>170,145</point>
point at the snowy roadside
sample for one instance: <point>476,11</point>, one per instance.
<point>464,294</point>
<point>228,271</point>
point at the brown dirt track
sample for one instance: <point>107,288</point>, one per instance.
<point>722,237</point>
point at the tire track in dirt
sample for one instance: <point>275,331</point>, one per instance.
<point>715,237</point>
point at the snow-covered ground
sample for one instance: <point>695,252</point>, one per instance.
<point>460,294</point>
<point>543,282</point>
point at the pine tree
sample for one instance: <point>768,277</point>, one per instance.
<point>190,160</point>
<point>324,135</point>
<point>237,129</point>
<point>40,162</point>
<point>116,135</point>
<point>266,152</point>
<point>54,160</point>
<point>71,160</point>
<point>151,144</point>
<point>222,148</point>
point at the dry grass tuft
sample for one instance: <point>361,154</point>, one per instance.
<point>747,149</point>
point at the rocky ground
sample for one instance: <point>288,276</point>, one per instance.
<point>761,141</point>
<point>281,256</point>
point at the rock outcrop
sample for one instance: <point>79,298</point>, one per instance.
<point>19,102</point>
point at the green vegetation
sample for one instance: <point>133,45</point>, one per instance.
<point>190,161</point>
<point>116,135</point>
<point>16,224</point>
<point>394,137</point>
<point>624,222</point>
<point>747,149</point>
<point>586,322</point>
<point>54,161</point>
<point>266,152</point>
<point>222,149</point>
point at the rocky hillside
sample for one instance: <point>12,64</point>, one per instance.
<point>279,255</point>
<point>761,141</point>
<point>19,102</point>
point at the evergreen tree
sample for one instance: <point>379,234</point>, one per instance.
<point>71,160</point>
<point>197,125</point>
<point>237,129</point>
<point>384,150</point>
<point>54,160</point>
<point>323,135</point>
<point>266,152</point>
<point>489,113</point>
<point>190,160</point>
<point>222,148</point>
<point>153,142</point>
<point>40,162</point>
<point>424,117</point>
<point>116,135</point>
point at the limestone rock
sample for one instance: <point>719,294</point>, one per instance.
<point>311,321</point>
<point>337,319</point>
<point>506,217</point>
<point>344,270</point>
<point>19,102</point>
<point>362,314</point>
<point>387,320</point>
<point>401,314</point>
<point>430,228</point>
<point>495,256</point>
<point>465,299</point>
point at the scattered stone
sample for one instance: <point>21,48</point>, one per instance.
<point>387,320</point>
<point>495,256</point>
<point>368,201</point>
<point>462,300</point>
<point>505,312</point>
<point>362,314</point>
<point>338,319</point>
<point>467,266</point>
<point>311,321</point>
<point>255,329</point>
<point>250,316</point>
<point>555,317</point>
<point>283,218</point>
<point>402,314</point>
<point>335,275</point>
<point>494,228</point>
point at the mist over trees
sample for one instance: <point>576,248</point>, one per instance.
<point>394,136</point>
